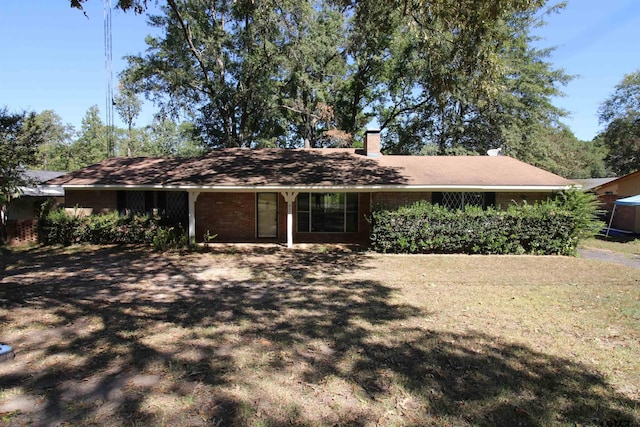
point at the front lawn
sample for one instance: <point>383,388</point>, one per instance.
<point>316,336</point>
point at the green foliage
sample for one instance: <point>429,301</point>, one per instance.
<point>439,76</point>
<point>560,152</point>
<point>91,145</point>
<point>138,6</point>
<point>208,238</point>
<point>58,226</point>
<point>57,145</point>
<point>20,137</point>
<point>621,116</point>
<point>169,238</point>
<point>128,107</point>
<point>313,73</point>
<point>53,153</point>
<point>61,148</point>
<point>164,137</point>
<point>551,227</point>
<point>216,62</point>
<point>445,108</point>
<point>586,210</point>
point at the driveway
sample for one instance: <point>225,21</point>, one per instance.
<point>610,256</point>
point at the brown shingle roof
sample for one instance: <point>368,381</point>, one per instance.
<point>318,168</point>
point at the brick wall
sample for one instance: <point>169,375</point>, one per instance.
<point>22,225</point>
<point>95,201</point>
<point>624,218</point>
<point>22,231</point>
<point>390,200</point>
<point>232,216</point>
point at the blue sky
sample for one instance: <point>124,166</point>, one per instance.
<point>52,56</point>
<point>596,41</point>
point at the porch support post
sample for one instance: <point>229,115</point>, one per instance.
<point>193,196</point>
<point>289,197</point>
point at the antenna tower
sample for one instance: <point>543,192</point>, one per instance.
<point>108,56</point>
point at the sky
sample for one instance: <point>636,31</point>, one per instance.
<point>52,56</point>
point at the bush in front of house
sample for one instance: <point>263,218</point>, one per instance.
<point>62,227</point>
<point>552,227</point>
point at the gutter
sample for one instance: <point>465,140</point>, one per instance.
<point>327,188</point>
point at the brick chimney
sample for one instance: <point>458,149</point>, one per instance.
<point>372,143</point>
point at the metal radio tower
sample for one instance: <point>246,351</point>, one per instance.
<point>108,56</point>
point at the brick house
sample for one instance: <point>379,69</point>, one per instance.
<point>313,195</point>
<point>22,212</point>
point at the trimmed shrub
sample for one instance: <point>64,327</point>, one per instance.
<point>60,227</point>
<point>552,227</point>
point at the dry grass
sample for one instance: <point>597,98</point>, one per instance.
<point>621,244</point>
<point>270,337</point>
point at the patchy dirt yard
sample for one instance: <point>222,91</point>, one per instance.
<point>264,336</point>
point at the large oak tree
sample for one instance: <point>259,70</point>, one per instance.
<point>20,137</point>
<point>438,76</point>
<point>620,114</point>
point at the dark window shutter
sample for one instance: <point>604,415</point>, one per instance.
<point>121,202</point>
<point>148,202</point>
<point>185,203</point>
<point>489,200</point>
<point>162,203</point>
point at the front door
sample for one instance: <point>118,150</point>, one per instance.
<point>267,215</point>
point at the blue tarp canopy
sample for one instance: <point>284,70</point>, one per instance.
<point>629,201</point>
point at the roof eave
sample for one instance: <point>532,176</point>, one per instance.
<point>318,188</point>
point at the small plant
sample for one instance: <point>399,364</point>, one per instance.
<point>170,238</point>
<point>323,249</point>
<point>208,238</point>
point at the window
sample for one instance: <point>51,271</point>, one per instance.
<point>135,202</point>
<point>327,212</point>
<point>171,206</point>
<point>267,214</point>
<point>460,200</point>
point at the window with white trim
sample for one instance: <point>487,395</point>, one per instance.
<point>327,212</point>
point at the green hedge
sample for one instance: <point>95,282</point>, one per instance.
<point>551,227</point>
<point>61,227</point>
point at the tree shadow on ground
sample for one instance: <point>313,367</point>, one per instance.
<point>123,336</point>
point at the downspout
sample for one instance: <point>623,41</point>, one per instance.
<point>289,197</point>
<point>193,196</point>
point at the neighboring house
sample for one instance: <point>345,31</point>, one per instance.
<point>313,195</point>
<point>589,184</point>
<point>23,210</point>
<point>627,218</point>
